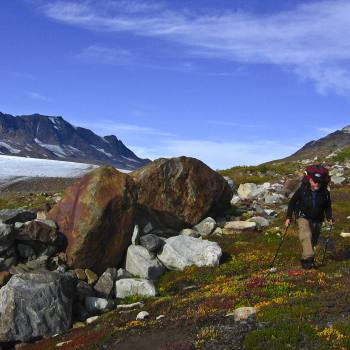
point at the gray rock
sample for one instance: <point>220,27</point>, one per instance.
<point>206,227</point>
<point>142,315</point>
<point>232,227</point>
<point>7,235</point>
<point>105,284</point>
<point>92,319</point>
<point>95,305</point>
<point>251,190</point>
<point>235,199</point>
<point>139,304</point>
<point>218,231</point>
<point>36,230</point>
<point>18,225</point>
<point>182,251</point>
<point>260,221</point>
<point>135,239</point>
<point>270,212</point>
<point>244,314</point>
<point>152,243</point>
<point>338,180</point>
<point>25,251</point>
<point>10,216</point>
<point>230,182</point>
<point>134,286</point>
<point>148,228</point>
<point>190,233</point>
<point>84,290</point>
<point>273,198</point>
<point>122,273</point>
<point>140,263</point>
<point>35,305</point>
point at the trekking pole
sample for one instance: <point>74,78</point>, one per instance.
<point>326,247</point>
<point>271,266</point>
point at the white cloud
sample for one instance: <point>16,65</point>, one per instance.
<point>105,55</point>
<point>37,96</point>
<point>218,155</point>
<point>310,40</point>
<point>103,127</point>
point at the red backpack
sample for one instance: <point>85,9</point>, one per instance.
<point>317,169</point>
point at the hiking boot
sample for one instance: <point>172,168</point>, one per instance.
<point>308,263</point>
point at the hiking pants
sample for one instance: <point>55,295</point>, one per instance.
<point>309,232</point>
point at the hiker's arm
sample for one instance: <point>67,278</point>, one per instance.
<point>292,204</point>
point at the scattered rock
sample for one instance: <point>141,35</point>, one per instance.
<point>152,243</point>
<point>10,216</point>
<point>78,325</point>
<point>4,277</point>
<point>41,215</point>
<point>345,234</point>
<point>105,284</point>
<point>122,273</point>
<point>252,190</point>
<point>270,212</point>
<point>139,304</point>
<point>95,305</point>
<point>206,227</point>
<point>84,290</point>
<point>142,315</point>
<point>42,231</point>
<point>235,200</point>
<point>94,213</point>
<point>273,198</point>
<point>190,233</point>
<point>232,227</point>
<point>92,319</point>
<point>244,314</point>
<point>81,275</point>
<point>260,221</point>
<point>160,317</point>
<point>181,251</point>
<point>181,191</point>
<point>34,305</point>
<point>140,263</point>
<point>91,276</point>
<point>338,180</point>
<point>218,231</point>
<point>134,286</point>
<point>135,239</point>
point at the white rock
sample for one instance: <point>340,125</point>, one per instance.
<point>218,231</point>
<point>139,304</point>
<point>338,180</point>
<point>345,234</point>
<point>260,221</point>
<point>189,232</point>
<point>142,315</point>
<point>270,212</point>
<point>272,198</point>
<point>206,227</point>
<point>134,286</point>
<point>141,263</point>
<point>91,319</point>
<point>135,239</point>
<point>238,226</point>
<point>244,313</point>
<point>93,304</point>
<point>235,199</point>
<point>180,252</point>
<point>160,317</point>
<point>250,191</point>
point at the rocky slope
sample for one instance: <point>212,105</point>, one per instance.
<point>39,136</point>
<point>324,148</point>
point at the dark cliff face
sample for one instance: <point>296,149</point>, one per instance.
<point>47,137</point>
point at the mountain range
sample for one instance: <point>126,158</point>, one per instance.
<point>51,137</point>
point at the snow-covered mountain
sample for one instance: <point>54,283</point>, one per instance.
<point>45,137</point>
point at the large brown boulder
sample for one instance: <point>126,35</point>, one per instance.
<point>181,191</point>
<point>96,214</point>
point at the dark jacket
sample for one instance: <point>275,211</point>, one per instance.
<point>303,204</point>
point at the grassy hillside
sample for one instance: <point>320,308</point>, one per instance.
<point>297,309</point>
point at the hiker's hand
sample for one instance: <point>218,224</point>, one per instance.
<point>287,222</point>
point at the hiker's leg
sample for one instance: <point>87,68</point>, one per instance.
<point>305,238</point>
<point>316,230</point>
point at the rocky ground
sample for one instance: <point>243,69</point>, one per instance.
<point>195,306</point>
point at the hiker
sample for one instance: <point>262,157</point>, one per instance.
<point>311,203</point>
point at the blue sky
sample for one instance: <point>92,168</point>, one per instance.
<point>229,82</point>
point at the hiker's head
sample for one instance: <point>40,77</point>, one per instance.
<point>315,181</point>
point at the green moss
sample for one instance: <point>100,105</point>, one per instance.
<point>342,156</point>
